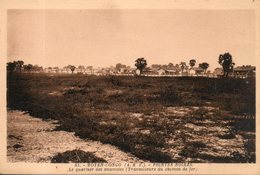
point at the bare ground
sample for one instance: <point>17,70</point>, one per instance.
<point>34,140</point>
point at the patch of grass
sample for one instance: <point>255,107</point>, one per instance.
<point>235,157</point>
<point>197,144</point>
<point>76,156</point>
<point>153,154</point>
<point>229,135</point>
<point>81,108</point>
<point>189,151</point>
<point>169,96</point>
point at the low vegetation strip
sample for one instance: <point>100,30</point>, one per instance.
<point>160,119</point>
<point>76,156</point>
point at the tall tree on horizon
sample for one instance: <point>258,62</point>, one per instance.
<point>170,66</point>
<point>11,67</point>
<point>204,66</point>
<point>183,66</point>
<point>225,60</point>
<point>140,64</point>
<point>192,63</point>
<point>72,68</point>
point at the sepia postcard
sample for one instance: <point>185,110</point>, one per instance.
<point>129,87</point>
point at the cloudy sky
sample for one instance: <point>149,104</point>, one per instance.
<point>106,37</point>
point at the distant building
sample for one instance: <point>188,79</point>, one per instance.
<point>196,71</point>
<point>160,71</point>
<point>172,71</point>
<point>148,71</point>
<point>218,72</point>
<point>237,72</point>
<point>244,71</point>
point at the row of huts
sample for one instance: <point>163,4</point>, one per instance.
<point>238,72</point>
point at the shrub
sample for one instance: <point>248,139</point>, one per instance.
<point>76,156</point>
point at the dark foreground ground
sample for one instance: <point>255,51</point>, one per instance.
<point>159,119</point>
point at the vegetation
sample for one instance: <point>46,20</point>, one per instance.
<point>226,62</point>
<point>192,63</point>
<point>120,66</point>
<point>15,66</point>
<point>147,116</point>
<point>140,64</point>
<point>76,156</point>
<point>81,68</point>
<point>11,67</point>
<point>72,68</point>
<point>204,66</point>
<point>19,66</point>
<point>183,66</point>
<point>28,67</point>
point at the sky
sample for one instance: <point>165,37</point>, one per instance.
<point>102,38</point>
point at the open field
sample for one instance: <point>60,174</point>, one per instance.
<point>160,119</point>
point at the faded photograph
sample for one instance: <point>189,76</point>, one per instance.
<point>133,86</point>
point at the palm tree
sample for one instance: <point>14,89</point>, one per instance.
<point>183,66</point>
<point>226,62</point>
<point>192,63</point>
<point>204,66</point>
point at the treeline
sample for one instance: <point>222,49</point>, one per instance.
<point>225,60</point>
<point>19,66</point>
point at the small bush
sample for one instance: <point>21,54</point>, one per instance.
<point>189,151</point>
<point>153,154</point>
<point>115,81</point>
<point>76,156</point>
<point>229,135</point>
<point>169,96</point>
<point>197,144</point>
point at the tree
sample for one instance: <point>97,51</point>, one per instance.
<point>90,68</point>
<point>19,64</point>
<point>192,63</point>
<point>120,66</point>
<point>28,67</point>
<point>183,66</point>
<point>66,68</point>
<point>170,66</point>
<point>140,64</point>
<point>225,60</point>
<point>72,68</point>
<point>81,68</point>
<point>37,68</point>
<point>11,67</point>
<point>204,66</point>
<point>55,69</point>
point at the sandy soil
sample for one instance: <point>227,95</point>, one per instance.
<point>34,140</point>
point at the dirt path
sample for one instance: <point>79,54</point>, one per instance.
<point>33,140</point>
